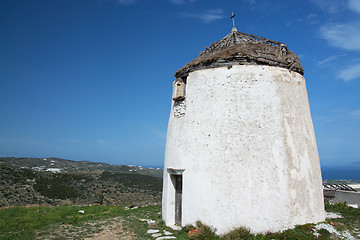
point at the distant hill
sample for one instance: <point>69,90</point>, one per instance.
<point>54,181</point>
<point>64,165</point>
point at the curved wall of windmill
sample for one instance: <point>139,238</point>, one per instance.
<point>244,143</point>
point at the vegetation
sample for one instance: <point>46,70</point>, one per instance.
<point>146,183</point>
<point>77,166</point>
<point>26,186</point>
<point>350,220</point>
<point>110,195</point>
<point>66,222</point>
<point>203,232</point>
<point>55,188</point>
<point>239,233</point>
<point>40,222</point>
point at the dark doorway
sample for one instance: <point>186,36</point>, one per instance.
<point>178,197</point>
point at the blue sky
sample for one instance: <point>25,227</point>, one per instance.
<point>91,79</point>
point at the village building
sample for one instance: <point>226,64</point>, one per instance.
<point>241,148</point>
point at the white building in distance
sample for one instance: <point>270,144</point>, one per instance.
<point>241,148</point>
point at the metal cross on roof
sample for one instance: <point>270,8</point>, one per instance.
<point>232,17</point>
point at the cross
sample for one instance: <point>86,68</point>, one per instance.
<point>232,17</point>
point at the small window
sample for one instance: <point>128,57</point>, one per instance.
<point>179,86</point>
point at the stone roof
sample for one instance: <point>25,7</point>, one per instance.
<point>239,48</point>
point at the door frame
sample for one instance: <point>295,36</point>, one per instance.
<point>177,180</point>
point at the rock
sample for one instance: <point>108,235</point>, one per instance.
<point>152,231</point>
<point>155,235</point>
<point>150,221</point>
<point>176,228</point>
<point>338,234</point>
<point>166,237</point>
<point>332,215</point>
<point>152,225</point>
<point>81,211</point>
<point>167,233</point>
<point>143,219</point>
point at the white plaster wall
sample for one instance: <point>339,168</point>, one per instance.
<point>248,148</point>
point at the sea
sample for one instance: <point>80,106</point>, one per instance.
<point>340,172</point>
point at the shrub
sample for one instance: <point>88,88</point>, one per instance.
<point>54,188</point>
<point>203,232</point>
<point>343,208</point>
<point>324,234</point>
<point>300,232</point>
<point>238,233</point>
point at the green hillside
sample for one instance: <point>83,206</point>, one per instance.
<point>25,183</point>
<point>77,166</point>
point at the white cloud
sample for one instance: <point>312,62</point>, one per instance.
<point>312,19</point>
<point>311,16</point>
<point>126,2</point>
<point>323,119</point>
<point>354,5</point>
<point>178,2</point>
<point>327,60</point>
<point>338,110</point>
<point>336,115</point>
<point>343,35</point>
<point>72,141</point>
<point>350,73</point>
<point>346,36</point>
<point>355,114</point>
<point>101,142</point>
<point>251,2</point>
<point>207,16</point>
<point>330,6</point>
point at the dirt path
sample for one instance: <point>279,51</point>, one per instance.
<point>113,228</point>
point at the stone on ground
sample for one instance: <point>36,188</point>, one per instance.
<point>166,237</point>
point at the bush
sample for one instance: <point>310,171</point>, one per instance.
<point>351,216</point>
<point>343,208</point>
<point>324,234</point>
<point>238,233</point>
<point>54,188</point>
<point>203,232</point>
<point>300,232</point>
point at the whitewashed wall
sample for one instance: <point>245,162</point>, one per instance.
<point>247,144</point>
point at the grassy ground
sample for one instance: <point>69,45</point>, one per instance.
<point>117,222</point>
<point>347,227</point>
<point>350,220</point>
<point>66,222</point>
